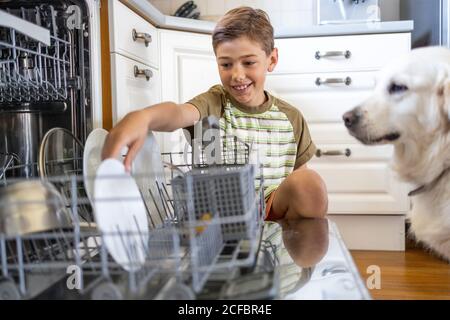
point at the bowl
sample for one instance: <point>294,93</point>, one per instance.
<point>32,206</point>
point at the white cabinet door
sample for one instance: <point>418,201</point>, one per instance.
<point>340,53</point>
<point>360,182</point>
<point>131,35</point>
<point>188,68</point>
<point>132,92</point>
<point>324,103</point>
<point>371,232</point>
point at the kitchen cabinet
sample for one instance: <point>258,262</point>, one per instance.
<point>132,36</point>
<point>171,66</point>
<point>324,77</point>
<point>134,56</point>
<point>133,91</point>
<point>188,68</point>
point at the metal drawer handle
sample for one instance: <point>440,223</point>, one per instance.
<point>347,81</point>
<point>141,35</point>
<point>143,72</point>
<point>347,152</point>
<point>346,54</point>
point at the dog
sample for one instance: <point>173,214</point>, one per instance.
<point>410,109</point>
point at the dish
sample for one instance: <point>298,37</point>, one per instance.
<point>60,154</point>
<point>32,206</point>
<point>121,215</point>
<point>92,158</point>
<point>148,170</point>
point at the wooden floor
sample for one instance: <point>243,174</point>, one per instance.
<point>410,275</point>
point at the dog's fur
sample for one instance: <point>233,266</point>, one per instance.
<point>410,108</point>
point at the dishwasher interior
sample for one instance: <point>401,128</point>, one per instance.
<point>45,84</point>
<point>42,85</point>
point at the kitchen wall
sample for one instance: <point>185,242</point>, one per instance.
<point>282,12</point>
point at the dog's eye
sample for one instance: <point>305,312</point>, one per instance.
<point>396,88</point>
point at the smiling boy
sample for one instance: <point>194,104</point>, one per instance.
<point>244,46</point>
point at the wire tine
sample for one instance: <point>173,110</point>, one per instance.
<point>95,238</point>
<point>142,238</point>
<point>156,203</point>
<point>56,249</point>
<point>164,202</point>
<point>166,193</point>
<point>48,247</point>
<point>26,251</point>
<point>13,253</point>
<point>125,244</point>
<point>147,210</point>
<point>93,253</point>
<point>3,255</point>
<point>36,250</point>
<point>66,245</point>
<point>104,257</point>
<point>83,244</point>
<point>20,266</point>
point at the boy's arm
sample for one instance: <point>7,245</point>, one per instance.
<point>132,130</point>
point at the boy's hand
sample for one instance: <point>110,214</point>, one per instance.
<point>131,131</point>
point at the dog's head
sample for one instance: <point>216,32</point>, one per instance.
<point>411,100</point>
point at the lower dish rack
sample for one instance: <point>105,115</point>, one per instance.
<point>210,234</point>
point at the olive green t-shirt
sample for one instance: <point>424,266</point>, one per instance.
<point>276,129</point>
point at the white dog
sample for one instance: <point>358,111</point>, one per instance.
<point>410,108</point>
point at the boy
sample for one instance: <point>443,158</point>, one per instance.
<point>244,46</point>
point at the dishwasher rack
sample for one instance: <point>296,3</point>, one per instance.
<point>185,251</point>
<point>31,71</point>
<point>44,255</point>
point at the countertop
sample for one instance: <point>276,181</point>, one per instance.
<point>152,14</point>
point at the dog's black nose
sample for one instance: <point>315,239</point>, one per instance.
<point>351,118</point>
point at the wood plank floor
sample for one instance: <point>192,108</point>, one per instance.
<point>410,275</point>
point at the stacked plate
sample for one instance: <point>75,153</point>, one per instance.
<point>121,215</point>
<point>92,158</point>
<point>125,205</point>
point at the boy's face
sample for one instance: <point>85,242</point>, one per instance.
<point>242,68</point>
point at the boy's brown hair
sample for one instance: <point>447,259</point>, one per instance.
<point>245,22</point>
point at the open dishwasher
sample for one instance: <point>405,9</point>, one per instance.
<point>208,245</point>
<point>49,95</point>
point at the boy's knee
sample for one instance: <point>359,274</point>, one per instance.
<point>309,191</point>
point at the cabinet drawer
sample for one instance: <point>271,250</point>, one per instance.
<point>332,133</point>
<point>371,232</point>
<point>324,102</point>
<point>360,182</point>
<point>132,92</point>
<point>131,35</point>
<point>345,53</point>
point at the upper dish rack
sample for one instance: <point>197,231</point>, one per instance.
<point>31,71</point>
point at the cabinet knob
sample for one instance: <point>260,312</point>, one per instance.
<point>147,73</point>
<point>347,152</point>
<point>141,35</point>
<point>347,81</point>
<point>346,54</point>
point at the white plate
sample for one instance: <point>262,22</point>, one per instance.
<point>121,215</point>
<point>92,157</point>
<point>148,170</point>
